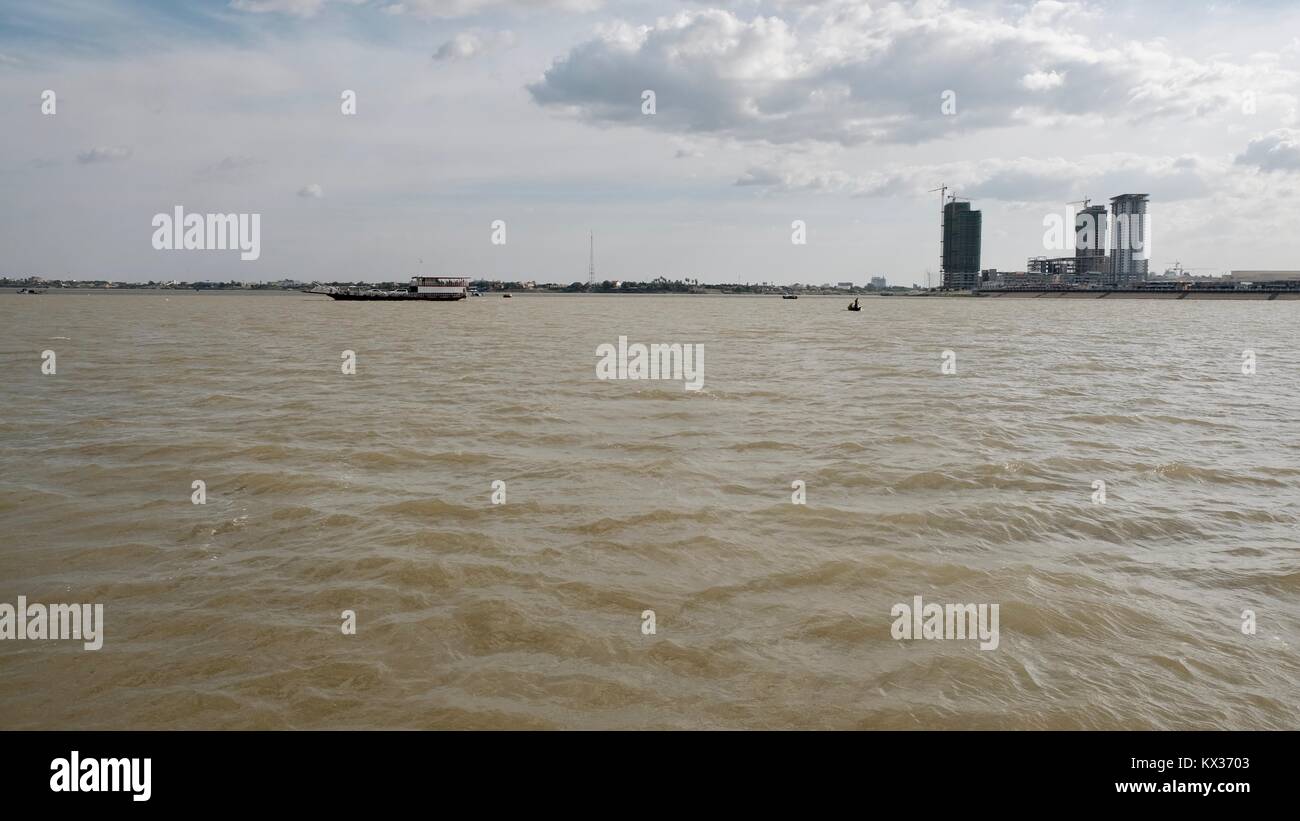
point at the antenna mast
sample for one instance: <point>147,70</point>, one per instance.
<point>591,264</point>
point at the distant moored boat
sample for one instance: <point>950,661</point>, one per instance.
<point>421,288</point>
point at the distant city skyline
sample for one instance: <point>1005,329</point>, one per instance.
<point>533,115</point>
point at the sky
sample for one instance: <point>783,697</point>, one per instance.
<point>840,115</point>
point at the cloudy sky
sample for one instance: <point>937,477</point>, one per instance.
<point>531,112</point>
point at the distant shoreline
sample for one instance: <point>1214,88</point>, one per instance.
<point>45,291</point>
<point>486,295</point>
<point>1257,295</point>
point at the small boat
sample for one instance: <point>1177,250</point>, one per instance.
<point>505,296</point>
<point>854,306</point>
<point>789,296</point>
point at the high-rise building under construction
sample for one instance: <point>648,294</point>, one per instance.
<point>1090,241</point>
<point>962,228</point>
<point>1129,240</point>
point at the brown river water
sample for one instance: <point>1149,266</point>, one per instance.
<point>373,492</point>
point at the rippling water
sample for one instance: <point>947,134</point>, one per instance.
<point>372,492</point>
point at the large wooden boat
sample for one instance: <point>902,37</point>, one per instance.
<point>421,288</point>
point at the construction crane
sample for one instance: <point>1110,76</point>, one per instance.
<point>1181,270</point>
<point>943,193</point>
<point>1096,232</point>
<point>944,199</point>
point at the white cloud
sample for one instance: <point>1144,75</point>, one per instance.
<point>294,8</point>
<point>104,153</point>
<point>1046,13</point>
<point>1042,80</point>
<point>467,45</point>
<point>844,73</point>
<point>228,165</point>
<point>1018,180</point>
<point>419,8</point>
<point>1277,151</point>
<point>766,177</point>
<point>469,8</point>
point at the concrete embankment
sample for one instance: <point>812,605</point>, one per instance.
<point>1260,296</point>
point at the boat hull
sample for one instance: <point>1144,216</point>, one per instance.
<point>399,297</point>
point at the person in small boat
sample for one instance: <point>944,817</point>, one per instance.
<point>854,306</point>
